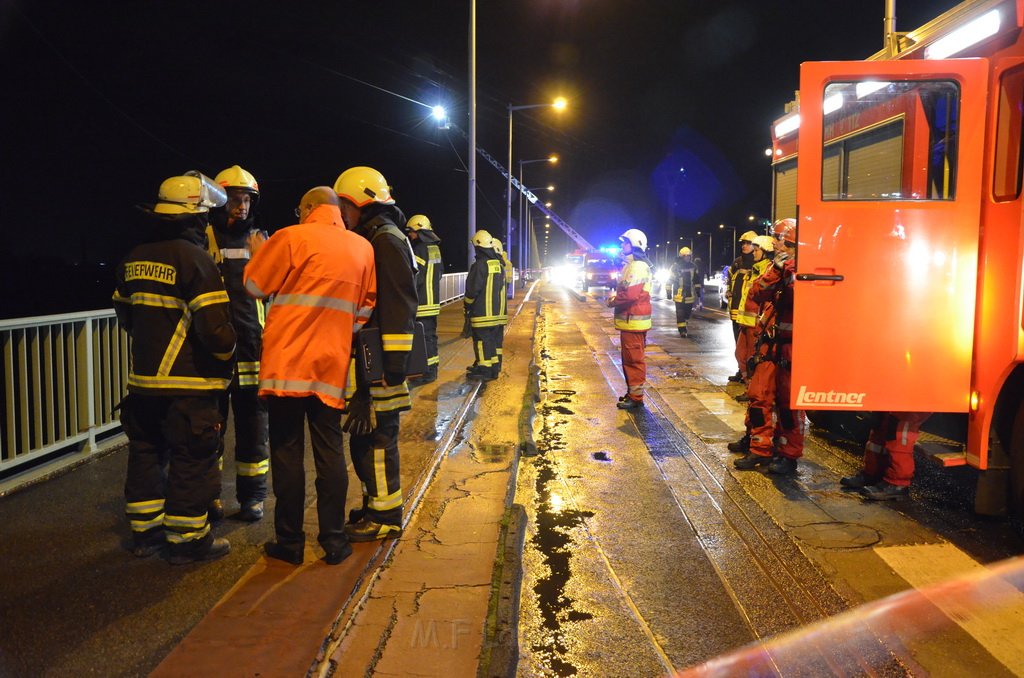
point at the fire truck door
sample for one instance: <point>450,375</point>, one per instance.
<point>889,191</point>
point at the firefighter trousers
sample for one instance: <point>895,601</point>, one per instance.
<point>889,452</point>
<point>376,462</point>
<point>288,418</point>
<point>773,426</point>
<point>683,311</point>
<point>485,348</point>
<point>499,343</point>
<point>252,442</point>
<point>634,365</point>
<point>172,465</point>
<point>430,337</point>
<point>744,349</point>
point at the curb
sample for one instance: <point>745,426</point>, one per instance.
<point>500,655</point>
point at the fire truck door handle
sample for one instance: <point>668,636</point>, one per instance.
<point>818,276</point>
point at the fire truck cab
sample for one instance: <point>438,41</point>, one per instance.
<point>907,194</point>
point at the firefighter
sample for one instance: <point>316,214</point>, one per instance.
<point>738,270</point>
<point>429,268</point>
<point>632,303</point>
<point>776,431</point>
<point>698,284</point>
<point>747,318</point>
<point>227,239</point>
<point>681,278</point>
<point>506,266</point>
<point>373,420</point>
<point>171,301</point>
<point>888,456</point>
<point>324,283</point>
<point>485,305</point>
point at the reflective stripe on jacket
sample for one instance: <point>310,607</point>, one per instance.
<point>485,290</point>
<point>682,278</point>
<point>428,273</point>
<point>324,283</point>
<point>748,308</point>
<point>170,299</point>
<point>632,299</point>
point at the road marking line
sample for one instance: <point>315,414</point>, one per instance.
<point>994,624</point>
<point>724,407</point>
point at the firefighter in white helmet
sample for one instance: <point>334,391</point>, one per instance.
<point>632,303</point>
<point>485,304</point>
<point>682,280</point>
<point>369,210</point>
<point>749,309</point>
<point>171,415</point>
<point>227,240</point>
<point>426,246</point>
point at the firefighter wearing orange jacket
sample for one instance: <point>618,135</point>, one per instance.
<point>746,317</point>
<point>324,283</point>
<point>888,456</point>
<point>373,420</point>
<point>170,299</point>
<point>632,303</point>
<point>227,240</point>
<point>770,419</point>
<point>485,305</point>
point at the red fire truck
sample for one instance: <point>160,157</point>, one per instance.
<point>907,193</point>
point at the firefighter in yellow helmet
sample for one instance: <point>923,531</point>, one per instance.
<point>485,304</point>
<point>506,266</point>
<point>682,279</point>
<point>739,271</point>
<point>426,247</point>
<point>227,240</point>
<point>369,210</point>
<point>170,415</point>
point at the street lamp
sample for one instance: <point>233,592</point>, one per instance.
<point>733,229</point>
<point>558,104</point>
<point>524,233</point>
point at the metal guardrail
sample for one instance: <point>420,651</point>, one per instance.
<point>62,377</point>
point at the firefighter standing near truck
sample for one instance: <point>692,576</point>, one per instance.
<point>632,303</point>
<point>738,271</point>
<point>426,247</point>
<point>373,420</point>
<point>776,431</point>
<point>681,278</point>
<point>485,304</point>
<point>750,309</point>
<point>170,299</point>
<point>888,456</point>
<point>227,239</point>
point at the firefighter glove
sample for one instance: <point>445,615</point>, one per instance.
<point>361,419</point>
<point>780,260</point>
<point>467,328</point>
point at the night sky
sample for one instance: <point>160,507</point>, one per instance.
<point>104,100</point>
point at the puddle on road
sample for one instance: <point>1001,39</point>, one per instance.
<point>492,454</point>
<point>601,456</point>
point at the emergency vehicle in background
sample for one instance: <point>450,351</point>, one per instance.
<point>907,194</point>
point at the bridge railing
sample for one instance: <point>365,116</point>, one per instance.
<point>62,378</point>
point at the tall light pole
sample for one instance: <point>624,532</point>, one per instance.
<point>558,104</point>
<point>524,243</point>
<point>733,229</point>
<point>472,134</point>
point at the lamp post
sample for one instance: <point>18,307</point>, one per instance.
<point>733,229</point>
<point>558,104</point>
<point>524,243</point>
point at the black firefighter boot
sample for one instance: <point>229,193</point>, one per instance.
<point>741,446</point>
<point>752,462</point>
<point>199,551</point>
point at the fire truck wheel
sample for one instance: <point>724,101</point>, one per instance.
<point>1015,451</point>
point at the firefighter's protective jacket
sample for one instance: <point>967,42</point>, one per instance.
<point>427,250</point>
<point>507,266</point>
<point>324,284</point>
<point>748,308</point>
<point>395,311</point>
<point>632,298</point>
<point>229,247</point>
<point>682,276</point>
<point>170,299</point>
<point>485,290</point>
<point>776,287</point>
<point>736,279</point>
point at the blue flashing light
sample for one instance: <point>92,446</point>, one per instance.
<point>611,250</point>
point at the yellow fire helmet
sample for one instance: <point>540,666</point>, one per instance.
<point>363,185</point>
<point>748,236</point>
<point>496,244</point>
<point>190,193</point>
<point>236,177</point>
<point>483,239</point>
<point>417,222</point>
<point>684,252</point>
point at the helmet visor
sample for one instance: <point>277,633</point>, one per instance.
<point>211,194</point>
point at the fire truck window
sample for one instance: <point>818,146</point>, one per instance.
<point>785,189</point>
<point>1009,161</point>
<point>890,140</point>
